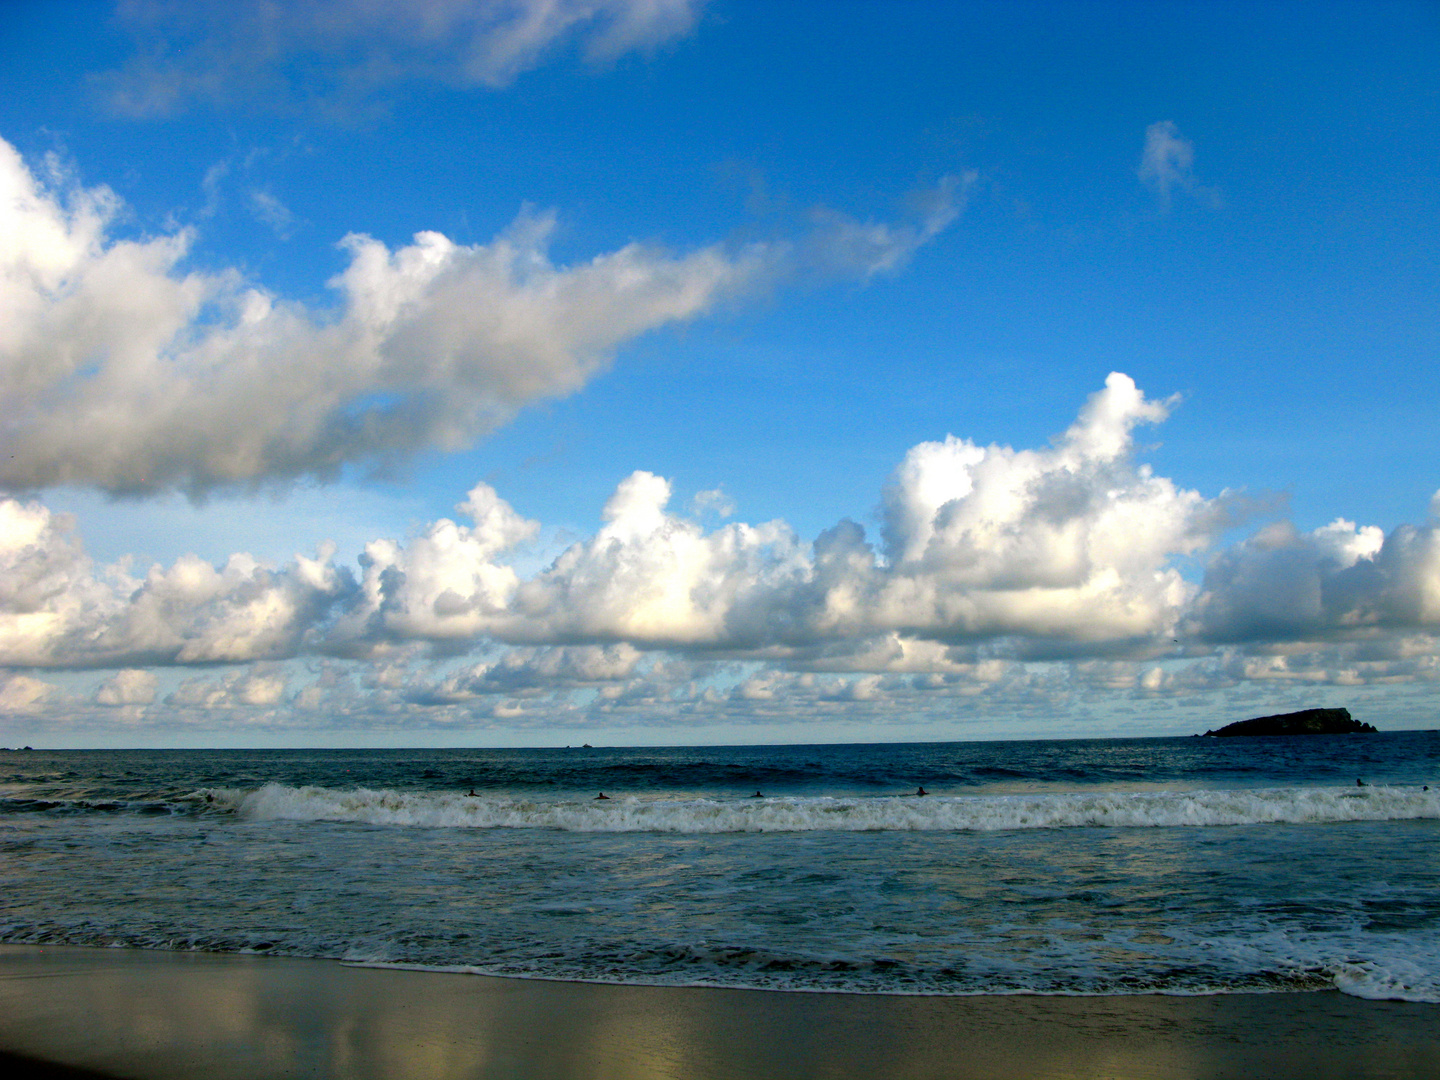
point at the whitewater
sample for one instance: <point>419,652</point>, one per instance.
<point>277,802</point>
<point>1178,866</point>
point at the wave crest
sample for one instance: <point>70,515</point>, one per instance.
<point>983,813</point>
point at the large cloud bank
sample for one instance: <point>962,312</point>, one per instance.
<point>334,54</point>
<point>123,370</point>
<point>988,560</point>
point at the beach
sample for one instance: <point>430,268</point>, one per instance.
<point>157,1016</point>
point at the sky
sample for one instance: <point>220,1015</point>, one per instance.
<point>482,373</point>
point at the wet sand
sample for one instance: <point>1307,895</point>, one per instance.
<point>158,1016</point>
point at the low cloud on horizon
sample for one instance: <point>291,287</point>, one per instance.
<point>1002,578</point>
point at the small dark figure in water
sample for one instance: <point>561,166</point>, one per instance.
<point>602,795</point>
<point>921,791</point>
<point>757,795</point>
<point>471,794</point>
<point>1359,783</point>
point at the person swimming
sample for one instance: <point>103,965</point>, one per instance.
<point>921,791</point>
<point>602,795</point>
<point>471,794</point>
<point>757,795</point>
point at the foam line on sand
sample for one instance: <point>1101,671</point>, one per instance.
<point>158,1016</point>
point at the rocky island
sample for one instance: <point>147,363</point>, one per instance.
<point>1304,722</point>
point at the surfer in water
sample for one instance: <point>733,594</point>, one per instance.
<point>471,794</point>
<point>602,795</point>
<point>757,795</point>
<point>921,791</point>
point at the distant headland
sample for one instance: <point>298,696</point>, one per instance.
<point>1304,722</point>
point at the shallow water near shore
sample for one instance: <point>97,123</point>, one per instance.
<point>1181,866</point>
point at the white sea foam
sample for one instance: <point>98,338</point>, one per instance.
<point>1354,960</point>
<point>1241,958</point>
<point>1398,978</point>
<point>1298,805</point>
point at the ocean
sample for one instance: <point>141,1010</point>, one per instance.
<point>1175,866</point>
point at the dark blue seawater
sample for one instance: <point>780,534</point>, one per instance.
<point>1092,866</point>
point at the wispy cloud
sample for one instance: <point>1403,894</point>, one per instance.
<point>1167,165</point>
<point>269,210</point>
<point>330,56</point>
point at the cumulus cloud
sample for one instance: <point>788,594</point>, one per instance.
<point>50,593</point>
<point>1072,542</point>
<point>123,371</point>
<point>1068,545</point>
<point>131,686</point>
<point>58,609</point>
<point>255,689</point>
<point>24,694</point>
<point>1340,581</point>
<point>446,583</point>
<point>651,576</point>
<point>1016,577</point>
<point>331,55</point>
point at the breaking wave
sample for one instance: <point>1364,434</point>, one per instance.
<point>623,813</point>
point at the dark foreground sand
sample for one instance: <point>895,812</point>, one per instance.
<point>156,1016</point>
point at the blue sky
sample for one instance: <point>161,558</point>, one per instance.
<point>736,271</point>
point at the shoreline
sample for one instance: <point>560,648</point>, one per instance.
<point>163,1016</point>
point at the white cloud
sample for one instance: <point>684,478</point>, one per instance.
<point>1073,542</point>
<point>131,686</point>
<point>1059,551</point>
<point>254,689</point>
<point>1340,581</point>
<point>444,584</point>
<point>1070,544</point>
<point>197,613</point>
<point>650,576</point>
<point>1014,579</point>
<point>24,694</point>
<point>331,55</point>
<point>50,593</point>
<point>122,371</point>
<point>58,609</point>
